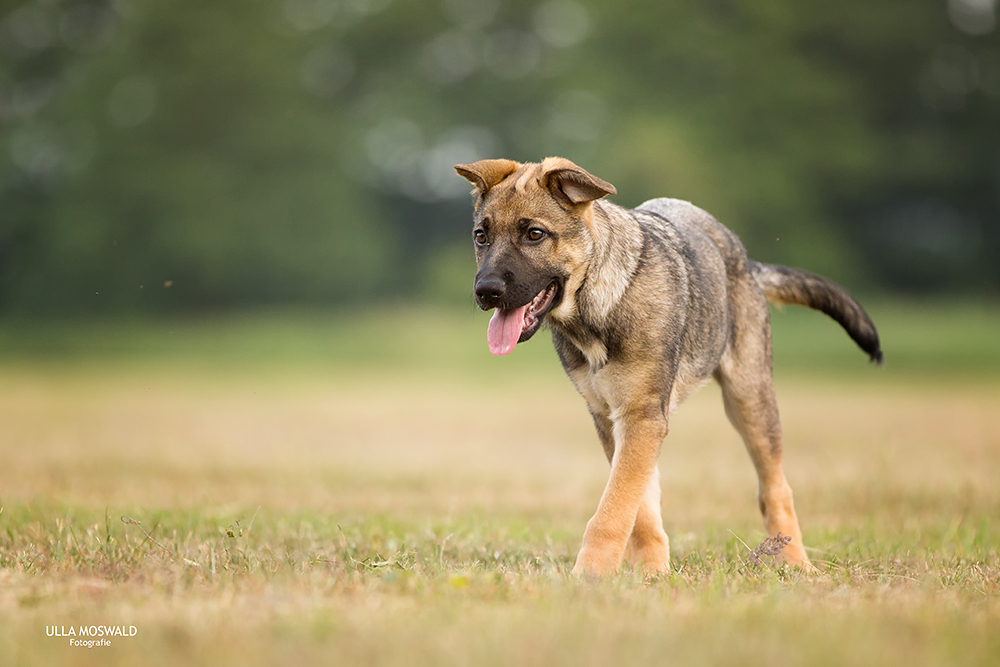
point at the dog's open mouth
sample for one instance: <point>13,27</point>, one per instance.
<point>510,326</point>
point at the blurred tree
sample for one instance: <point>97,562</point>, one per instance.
<point>301,150</point>
<point>182,152</point>
<point>858,139</point>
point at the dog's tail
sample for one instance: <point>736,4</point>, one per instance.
<point>782,284</point>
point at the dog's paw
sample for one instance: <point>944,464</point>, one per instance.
<point>794,555</point>
<point>652,556</point>
<point>597,561</point>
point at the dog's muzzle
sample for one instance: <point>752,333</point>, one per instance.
<point>510,326</point>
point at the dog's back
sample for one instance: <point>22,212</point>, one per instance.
<point>779,284</point>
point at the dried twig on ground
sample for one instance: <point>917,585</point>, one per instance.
<point>128,519</point>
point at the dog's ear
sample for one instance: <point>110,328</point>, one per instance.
<point>484,174</point>
<point>571,184</point>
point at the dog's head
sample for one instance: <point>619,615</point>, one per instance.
<point>531,235</point>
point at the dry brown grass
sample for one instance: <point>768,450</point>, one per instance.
<point>157,439</point>
<point>423,518</point>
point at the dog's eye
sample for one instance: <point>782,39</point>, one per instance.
<point>535,234</point>
<point>480,237</point>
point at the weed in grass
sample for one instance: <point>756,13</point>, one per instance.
<point>130,520</point>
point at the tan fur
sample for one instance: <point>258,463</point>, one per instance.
<point>653,302</point>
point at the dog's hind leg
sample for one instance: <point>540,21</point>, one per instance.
<point>744,374</point>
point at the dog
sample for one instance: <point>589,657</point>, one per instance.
<point>645,305</point>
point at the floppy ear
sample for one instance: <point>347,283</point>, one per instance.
<point>571,184</point>
<point>484,174</point>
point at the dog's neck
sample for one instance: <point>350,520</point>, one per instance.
<point>615,246</point>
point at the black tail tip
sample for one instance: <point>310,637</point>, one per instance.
<point>876,357</point>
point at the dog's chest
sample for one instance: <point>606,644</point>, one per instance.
<point>592,348</point>
<point>606,391</point>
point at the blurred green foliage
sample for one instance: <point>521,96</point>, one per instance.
<point>925,342</point>
<point>187,155</point>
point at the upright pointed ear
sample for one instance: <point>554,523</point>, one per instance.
<point>484,174</point>
<point>571,184</point>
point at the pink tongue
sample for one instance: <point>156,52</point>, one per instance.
<point>505,329</point>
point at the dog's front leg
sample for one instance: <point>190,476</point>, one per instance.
<point>639,429</point>
<point>648,546</point>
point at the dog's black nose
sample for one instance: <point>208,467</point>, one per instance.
<point>490,291</point>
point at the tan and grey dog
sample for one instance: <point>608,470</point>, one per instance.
<point>645,306</point>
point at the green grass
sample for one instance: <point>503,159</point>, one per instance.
<point>919,339</point>
<point>376,489</point>
<point>479,590</point>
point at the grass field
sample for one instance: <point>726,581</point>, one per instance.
<point>375,489</point>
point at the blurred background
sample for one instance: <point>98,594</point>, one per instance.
<point>235,285</point>
<point>183,156</point>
